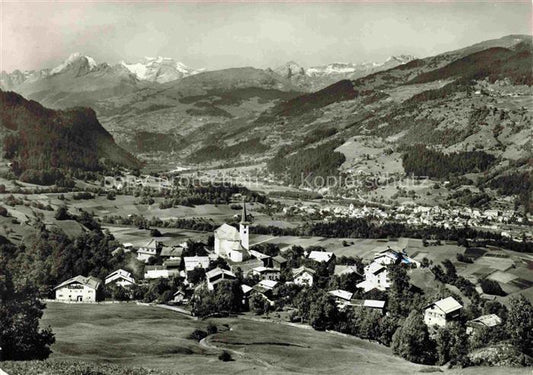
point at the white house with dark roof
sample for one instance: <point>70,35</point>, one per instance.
<point>120,277</point>
<point>80,289</point>
<point>231,243</point>
<point>441,312</point>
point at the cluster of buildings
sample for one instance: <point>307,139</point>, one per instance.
<point>417,215</point>
<point>233,245</point>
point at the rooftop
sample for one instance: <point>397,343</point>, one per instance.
<point>320,256</point>
<point>227,232</point>
<point>89,281</point>
<point>447,305</point>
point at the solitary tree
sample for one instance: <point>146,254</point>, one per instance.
<point>520,324</point>
<point>20,311</point>
<point>412,341</point>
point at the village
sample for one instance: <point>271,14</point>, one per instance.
<point>269,279</point>
<point>513,222</point>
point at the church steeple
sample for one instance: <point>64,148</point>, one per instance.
<point>244,228</point>
<point>244,215</point>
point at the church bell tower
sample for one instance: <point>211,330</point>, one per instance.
<point>244,228</point>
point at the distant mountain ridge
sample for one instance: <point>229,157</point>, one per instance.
<point>318,77</point>
<point>166,69</point>
<point>160,69</point>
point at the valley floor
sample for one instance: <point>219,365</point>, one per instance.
<point>132,335</point>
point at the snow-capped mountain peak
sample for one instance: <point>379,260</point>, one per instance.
<point>160,69</point>
<point>72,59</point>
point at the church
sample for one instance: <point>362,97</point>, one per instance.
<point>231,243</point>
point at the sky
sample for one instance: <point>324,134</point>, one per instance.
<point>209,35</point>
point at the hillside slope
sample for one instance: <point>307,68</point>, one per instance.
<point>37,139</point>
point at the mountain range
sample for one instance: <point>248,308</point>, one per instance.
<point>473,98</point>
<point>317,77</point>
<point>165,69</point>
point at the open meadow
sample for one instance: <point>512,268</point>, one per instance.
<point>134,335</point>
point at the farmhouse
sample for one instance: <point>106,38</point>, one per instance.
<point>120,277</point>
<point>196,261</point>
<point>321,256</point>
<point>484,321</point>
<point>218,275</point>
<point>376,273</point>
<point>342,297</point>
<point>231,243</point>
<point>159,272</point>
<point>264,288</point>
<point>246,292</point>
<point>374,305</point>
<point>80,289</point>
<point>265,259</point>
<point>344,270</point>
<point>266,273</point>
<point>279,262</point>
<point>303,276</point>
<point>179,297</point>
<point>441,312</point>
<point>376,277</point>
<point>171,252</point>
<point>149,250</point>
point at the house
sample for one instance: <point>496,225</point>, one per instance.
<point>120,277</point>
<point>218,275</point>
<point>279,262</point>
<point>264,288</point>
<point>342,297</point>
<point>340,294</point>
<point>321,256</point>
<point>195,261</point>
<point>266,273</point>
<point>376,273</point>
<point>179,297</point>
<point>374,305</point>
<point>441,312</point>
<point>376,277</point>
<point>171,252</point>
<point>389,256</point>
<point>303,276</point>
<point>159,272</point>
<point>231,243</point>
<point>484,321</point>
<point>344,270</point>
<point>172,263</point>
<point>149,250</point>
<point>265,259</point>
<point>246,292</point>
<point>80,289</point>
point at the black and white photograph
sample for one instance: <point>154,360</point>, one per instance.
<point>266,187</point>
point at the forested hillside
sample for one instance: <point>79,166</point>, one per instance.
<point>42,143</point>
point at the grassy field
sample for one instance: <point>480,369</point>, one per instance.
<point>151,337</point>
